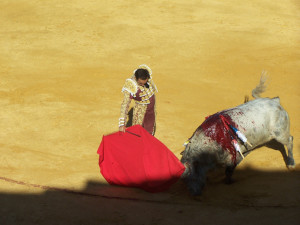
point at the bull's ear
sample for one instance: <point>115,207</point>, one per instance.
<point>246,99</point>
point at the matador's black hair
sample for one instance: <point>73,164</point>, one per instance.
<point>142,74</point>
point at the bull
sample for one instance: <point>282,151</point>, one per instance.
<point>225,138</point>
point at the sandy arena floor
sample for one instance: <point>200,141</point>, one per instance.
<point>62,67</point>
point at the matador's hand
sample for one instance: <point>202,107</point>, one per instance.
<point>122,129</point>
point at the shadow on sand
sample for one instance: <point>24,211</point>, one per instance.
<point>254,197</point>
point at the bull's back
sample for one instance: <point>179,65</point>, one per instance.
<point>258,119</point>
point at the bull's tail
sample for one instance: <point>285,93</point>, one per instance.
<point>261,87</point>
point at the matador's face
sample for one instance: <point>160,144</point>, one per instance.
<point>142,82</point>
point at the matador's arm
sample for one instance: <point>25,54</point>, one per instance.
<point>124,108</point>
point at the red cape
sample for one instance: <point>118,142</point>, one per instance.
<point>138,159</point>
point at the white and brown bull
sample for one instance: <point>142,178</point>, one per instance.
<point>216,142</point>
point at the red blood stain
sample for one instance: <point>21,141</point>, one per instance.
<point>214,128</point>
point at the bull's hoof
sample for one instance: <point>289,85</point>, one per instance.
<point>228,180</point>
<point>195,192</point>
<point>291,164</point>
<point>291,167</point>
<point>198,198</point>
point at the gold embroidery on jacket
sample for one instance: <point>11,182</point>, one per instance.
<point>132,87</point>
<point>125,105</point>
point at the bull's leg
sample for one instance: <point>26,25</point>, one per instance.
<point>288,142</point>
<point>228,172</point>
<point>290,160</point>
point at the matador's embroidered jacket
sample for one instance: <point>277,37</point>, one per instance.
<point>144,109</point>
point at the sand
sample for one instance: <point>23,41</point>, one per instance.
<point>62,67</point>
